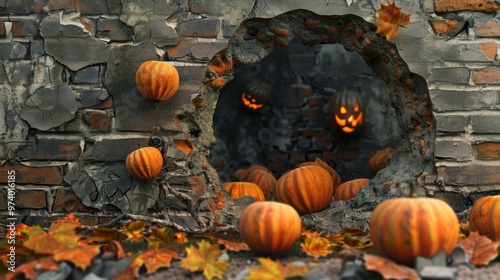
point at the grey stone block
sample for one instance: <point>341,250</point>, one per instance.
<point>454,150</point>
<point>113,149</point>
<point>114,30</point>
<point>157,32</point>
<point>92,97</point>
<point>12,50</point>
<point>50,107</point>
<point>77,53</point>
<point>36,48</point>
<point>457,100</point>
<point>485,123</point>
<point>457,75</point>
<point>198,28</point>
<point>89,75</point>
<point>451,123</point>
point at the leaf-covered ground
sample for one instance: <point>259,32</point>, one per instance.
<point>144,250</point>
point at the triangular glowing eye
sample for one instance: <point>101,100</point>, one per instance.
<point>343,110</point>
<point>356,108</point>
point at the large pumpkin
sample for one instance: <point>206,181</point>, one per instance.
<point>269,227</point>
<point>380,159</point>
<point>346,111</point>
<point>264,179</point>
<point>484,217</point>
<point>308,189</point>
<point>144,163</point>
<point>157,80</point>
<point>335,176</point>
<point>404,228</point>
<point>239,190</point>
<point>349,189</point>
<point>257,93</point>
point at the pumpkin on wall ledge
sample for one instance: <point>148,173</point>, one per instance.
<point>157,80</point>
<point>346,111</point>
<point>256,94</point>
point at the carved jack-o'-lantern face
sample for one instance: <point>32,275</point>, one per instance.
<point>256,94</point>
<point>347,111</point>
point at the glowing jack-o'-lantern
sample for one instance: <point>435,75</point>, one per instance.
<point>256,94</point>
<point>346,111</point>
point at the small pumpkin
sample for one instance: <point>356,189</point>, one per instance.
<point>335,176</point>
<point>240,174</point>
<point>269,227</point>
<point>144,163</point>
<point>257,166</point>
<point>308,189</point>
<point>349,189</point>
<point>380,159</point>
<point>157,80</point>
<point>404,228</point>
<point>256,94</point>
<point>239,190</point>
<point>346,110</point>
<point>264,179</point>
<point>484,217</point>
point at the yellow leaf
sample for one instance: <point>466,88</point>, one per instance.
<point>316,246</point>
<point>205,258</point>
<point>274,270</point>
<point>61,235</point>
<point>134,229</point>
<point>160,236</point>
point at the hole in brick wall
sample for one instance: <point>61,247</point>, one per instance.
<point>295,125</point>
<point>286,132</point>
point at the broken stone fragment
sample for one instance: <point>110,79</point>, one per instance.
<point>50,107</point>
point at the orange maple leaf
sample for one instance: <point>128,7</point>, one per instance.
<point>274,270</point>
<point>32,268</point>
<point>81,256</point>
<point>60,236</point>
<point>389,19</point>
<point>102,235</point>
<point>134,229</point>
<point>152,259</point>
<point>234,246</point>
<point>480,249</point>
<point>316,246</point>
<point>181,237</point>
<point>389,269</point>
<point>205,258</point>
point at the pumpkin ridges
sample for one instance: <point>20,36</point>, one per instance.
<point>157,80</point>
<point>262,227</point>
<point>349,189</point>
<point>394,220</point>
<point>264,179</point>
<point>238,190</point>
<point>144,163</point>
<point>485,217</point>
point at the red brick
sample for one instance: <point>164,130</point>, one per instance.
<point>313,156</point>
<point>316,101</point>
<point>100,121</point>
<point>2,29</point>
<point>472,174</point>
<point>51,175</point>
<point>312,112</point>
<point>88,220</point>
<point>487,28</point>
<point>488,75</point>
<point>313,132</point>
<point>67,201</point>
<point>323,142</point>
<point>305,91</point>
<point>34,199</point>
<point>446,27</point>
<point>297,157</point>
<point>489,49</point>
<point>279,157</point>
<point>488,150</point>
<point>446,6</point>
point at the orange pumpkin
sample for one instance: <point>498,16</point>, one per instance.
<point>335,176</point>
<point>264,179</point>
<point>308,189</point>
<point>269,227</point>
<point>349,189</point>
<point>484,217</point>
<point>380,159</point>
<point>239,190</point>
<point>404,228</point>
<point>240,174</point>
<point>157,80</point>
<point>257,166</point>
<point>144,163</point>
